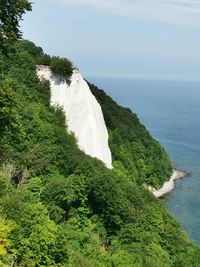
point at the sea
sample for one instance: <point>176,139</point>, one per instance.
<point>170,110</point>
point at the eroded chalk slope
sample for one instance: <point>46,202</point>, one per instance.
<point>83,113</point>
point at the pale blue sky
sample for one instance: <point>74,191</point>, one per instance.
<point>144,39</point>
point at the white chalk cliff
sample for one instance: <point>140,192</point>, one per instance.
<point>83,113</point>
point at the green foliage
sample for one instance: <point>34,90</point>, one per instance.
<point>64,208</point>
<point>10,14</point>
<point>5,229</point>
<point>61,66</point>
<point>35,51</point>
<point>34,236</point>
<point>132,145</point>
<point>9,102</point>
<point>30,47</point>
<point>110,201</point>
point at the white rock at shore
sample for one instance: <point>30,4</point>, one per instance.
<point>169,185</point>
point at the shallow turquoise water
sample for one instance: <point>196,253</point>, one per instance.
<point>171,112</point>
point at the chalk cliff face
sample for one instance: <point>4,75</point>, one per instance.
<point>83,113</point>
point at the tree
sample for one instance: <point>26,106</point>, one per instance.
<point>9,102</point>
<point>61,66</point>
<point>5,229</point>
<point>11,12</point>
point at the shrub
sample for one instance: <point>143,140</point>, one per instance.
<point>61,66</point>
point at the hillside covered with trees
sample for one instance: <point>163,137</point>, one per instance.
<point>60,207</point>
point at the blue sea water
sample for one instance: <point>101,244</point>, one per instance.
<point>171,112</point>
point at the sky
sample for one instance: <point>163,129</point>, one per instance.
<point>134,39</point>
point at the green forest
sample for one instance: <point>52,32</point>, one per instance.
<point>60,207</point>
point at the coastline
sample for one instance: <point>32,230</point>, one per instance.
<point>169,185</point>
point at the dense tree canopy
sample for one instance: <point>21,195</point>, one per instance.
<point>132,145</point>
<point>60,207</point>
<point>11,12</point>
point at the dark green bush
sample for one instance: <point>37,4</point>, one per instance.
<point>61,66</point>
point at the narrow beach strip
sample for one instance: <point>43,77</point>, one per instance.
<point>169,185</point>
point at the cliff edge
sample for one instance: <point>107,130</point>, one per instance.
<point>83,113</point>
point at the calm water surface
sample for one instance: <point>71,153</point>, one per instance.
<point>171,112</point>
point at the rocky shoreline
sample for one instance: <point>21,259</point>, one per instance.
<point>169,185</point>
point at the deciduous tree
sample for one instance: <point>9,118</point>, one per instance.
<point>11,12</point>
